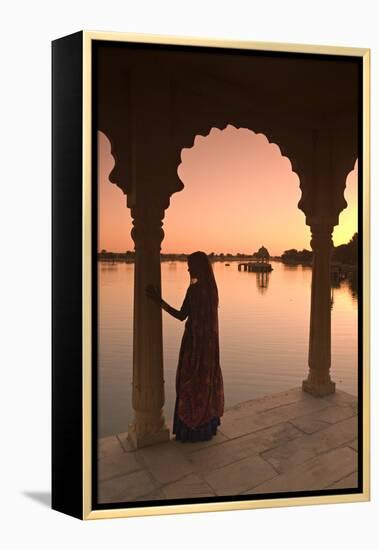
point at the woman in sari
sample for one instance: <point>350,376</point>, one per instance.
<point>199,401</point>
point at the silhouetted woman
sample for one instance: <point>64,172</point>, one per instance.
<point>199,385</point>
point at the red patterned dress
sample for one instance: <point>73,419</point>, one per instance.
<point>199,384</point>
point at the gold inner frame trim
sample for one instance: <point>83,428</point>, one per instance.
<point>88,513</point>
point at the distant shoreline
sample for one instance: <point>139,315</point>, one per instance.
<point>120,257</point>
<point>343,255</point>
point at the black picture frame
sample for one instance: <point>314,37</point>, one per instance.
<point>74,274</point>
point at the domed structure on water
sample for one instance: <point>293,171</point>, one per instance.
<point>260,262</point>
<point>262,255</point>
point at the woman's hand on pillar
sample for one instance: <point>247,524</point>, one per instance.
<point>154,294</point>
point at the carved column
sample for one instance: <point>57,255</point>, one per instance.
<point>148,426</point>
<point>319,382</point>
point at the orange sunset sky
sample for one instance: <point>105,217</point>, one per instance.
<point>239,193</point>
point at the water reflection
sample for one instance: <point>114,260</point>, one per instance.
<point>109,266</point>
<point>264,334</point>
<point>290,267</point>
<point>353,285</point>
<point>262,280</point>
<point>349,282</point>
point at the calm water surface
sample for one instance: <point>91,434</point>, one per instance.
<point>263,334</point>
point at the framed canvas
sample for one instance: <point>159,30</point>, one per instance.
<point>210,275</point>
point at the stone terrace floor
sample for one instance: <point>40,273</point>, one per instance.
<point>288,441</point>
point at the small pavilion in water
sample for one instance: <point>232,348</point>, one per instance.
<point>262,255</point>
<point>260,264</point>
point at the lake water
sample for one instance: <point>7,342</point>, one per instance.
<point>263,334</point>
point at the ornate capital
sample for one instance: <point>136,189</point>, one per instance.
<point>321,236</point>
<point>147,231</point>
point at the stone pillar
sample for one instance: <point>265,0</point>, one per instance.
<point>148,426</point>
<point>319,382</point>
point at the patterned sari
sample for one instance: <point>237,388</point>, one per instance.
<point>199,383</point>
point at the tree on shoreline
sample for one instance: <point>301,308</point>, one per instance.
<point>297,256</point>
<point>344,253</point>
<point>347,253</point>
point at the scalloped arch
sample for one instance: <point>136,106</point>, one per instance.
<point>283,149</point>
